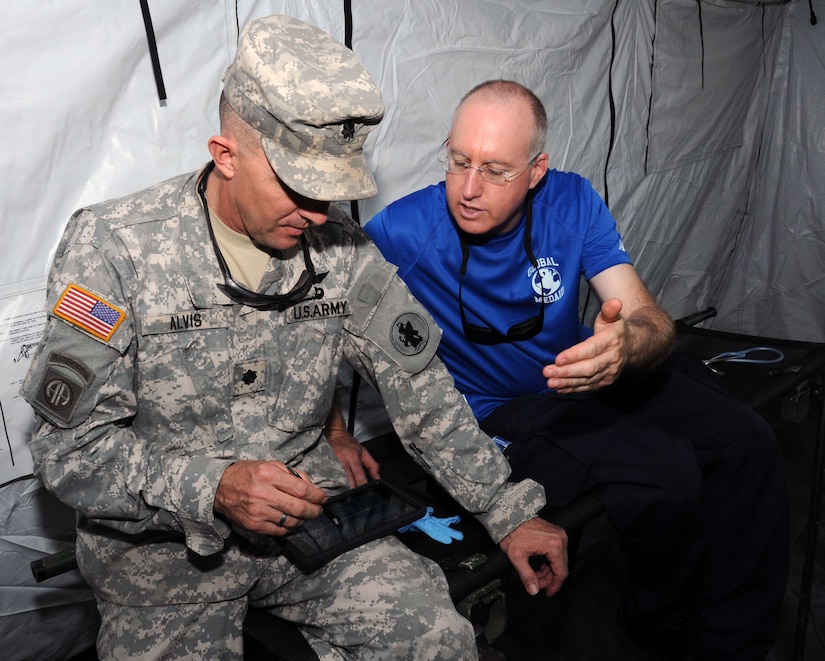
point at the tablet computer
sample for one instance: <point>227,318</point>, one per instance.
<point>350,519</point>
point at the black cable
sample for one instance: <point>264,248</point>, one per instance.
<point>701,41</point>
<point>19,478</point>
<point>353,402</point>
<point>764,54</point>
<point>348,24</point>
<point>652,69</point>
<point>612,140</point>
<point>356,216</point>
<point>611,101</point>
<point>6,432</point>
<point>153,49</point>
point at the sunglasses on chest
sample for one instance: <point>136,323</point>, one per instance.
<point>523,330</point>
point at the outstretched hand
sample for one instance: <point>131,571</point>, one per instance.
<point>533,538</point>
<point>596,362</point>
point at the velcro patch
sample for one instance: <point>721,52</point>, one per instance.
<point>89,312</point>
<point>183,320</point>
<point>249,377</point>
<point>410,334</point>
<point>319,310</point>
<point>65,379</point>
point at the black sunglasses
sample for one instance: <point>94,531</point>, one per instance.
<point>240,294</point>
<point>523,330</point>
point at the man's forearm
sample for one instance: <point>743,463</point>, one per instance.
<point>649,337</point>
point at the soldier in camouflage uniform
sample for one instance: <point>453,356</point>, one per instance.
<point>181,410</point>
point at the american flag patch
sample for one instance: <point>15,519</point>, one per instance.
<point>90,312</point>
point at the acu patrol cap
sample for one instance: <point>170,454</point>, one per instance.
<point>312,101</point>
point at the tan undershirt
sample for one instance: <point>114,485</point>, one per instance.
<point>247,263</point>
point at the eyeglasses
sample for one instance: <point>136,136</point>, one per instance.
<point>240,294</point>
<point>460,166</point>
<point>523,330</point>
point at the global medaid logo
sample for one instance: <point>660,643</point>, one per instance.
<point>546,280</point>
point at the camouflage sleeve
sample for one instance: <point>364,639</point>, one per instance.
<point>82,386</point>
<point>391,340</point>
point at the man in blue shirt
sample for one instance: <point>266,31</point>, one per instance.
<point>691,479</point>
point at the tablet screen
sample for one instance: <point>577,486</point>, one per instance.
<point>350,519</point>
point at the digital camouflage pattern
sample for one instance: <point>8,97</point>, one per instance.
<point>313,103</point>
<point>149,382</point>
<point>376,613</point>
<point>137,429</point>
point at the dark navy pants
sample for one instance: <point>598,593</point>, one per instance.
<point>693,482</point>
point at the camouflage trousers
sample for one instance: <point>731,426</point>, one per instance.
<point>380,601</point>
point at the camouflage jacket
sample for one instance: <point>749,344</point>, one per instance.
<point>149,382</point>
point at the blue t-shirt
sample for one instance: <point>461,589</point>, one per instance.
<point>573,234</point>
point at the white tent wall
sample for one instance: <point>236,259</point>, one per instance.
<point>775,283</point>
<point>690,82</point>
<point>82,118</point>
<point>713,171</point>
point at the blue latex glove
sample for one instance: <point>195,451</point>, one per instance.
<point>438,529</point>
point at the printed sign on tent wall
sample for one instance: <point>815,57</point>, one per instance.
<point>22,322</point>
